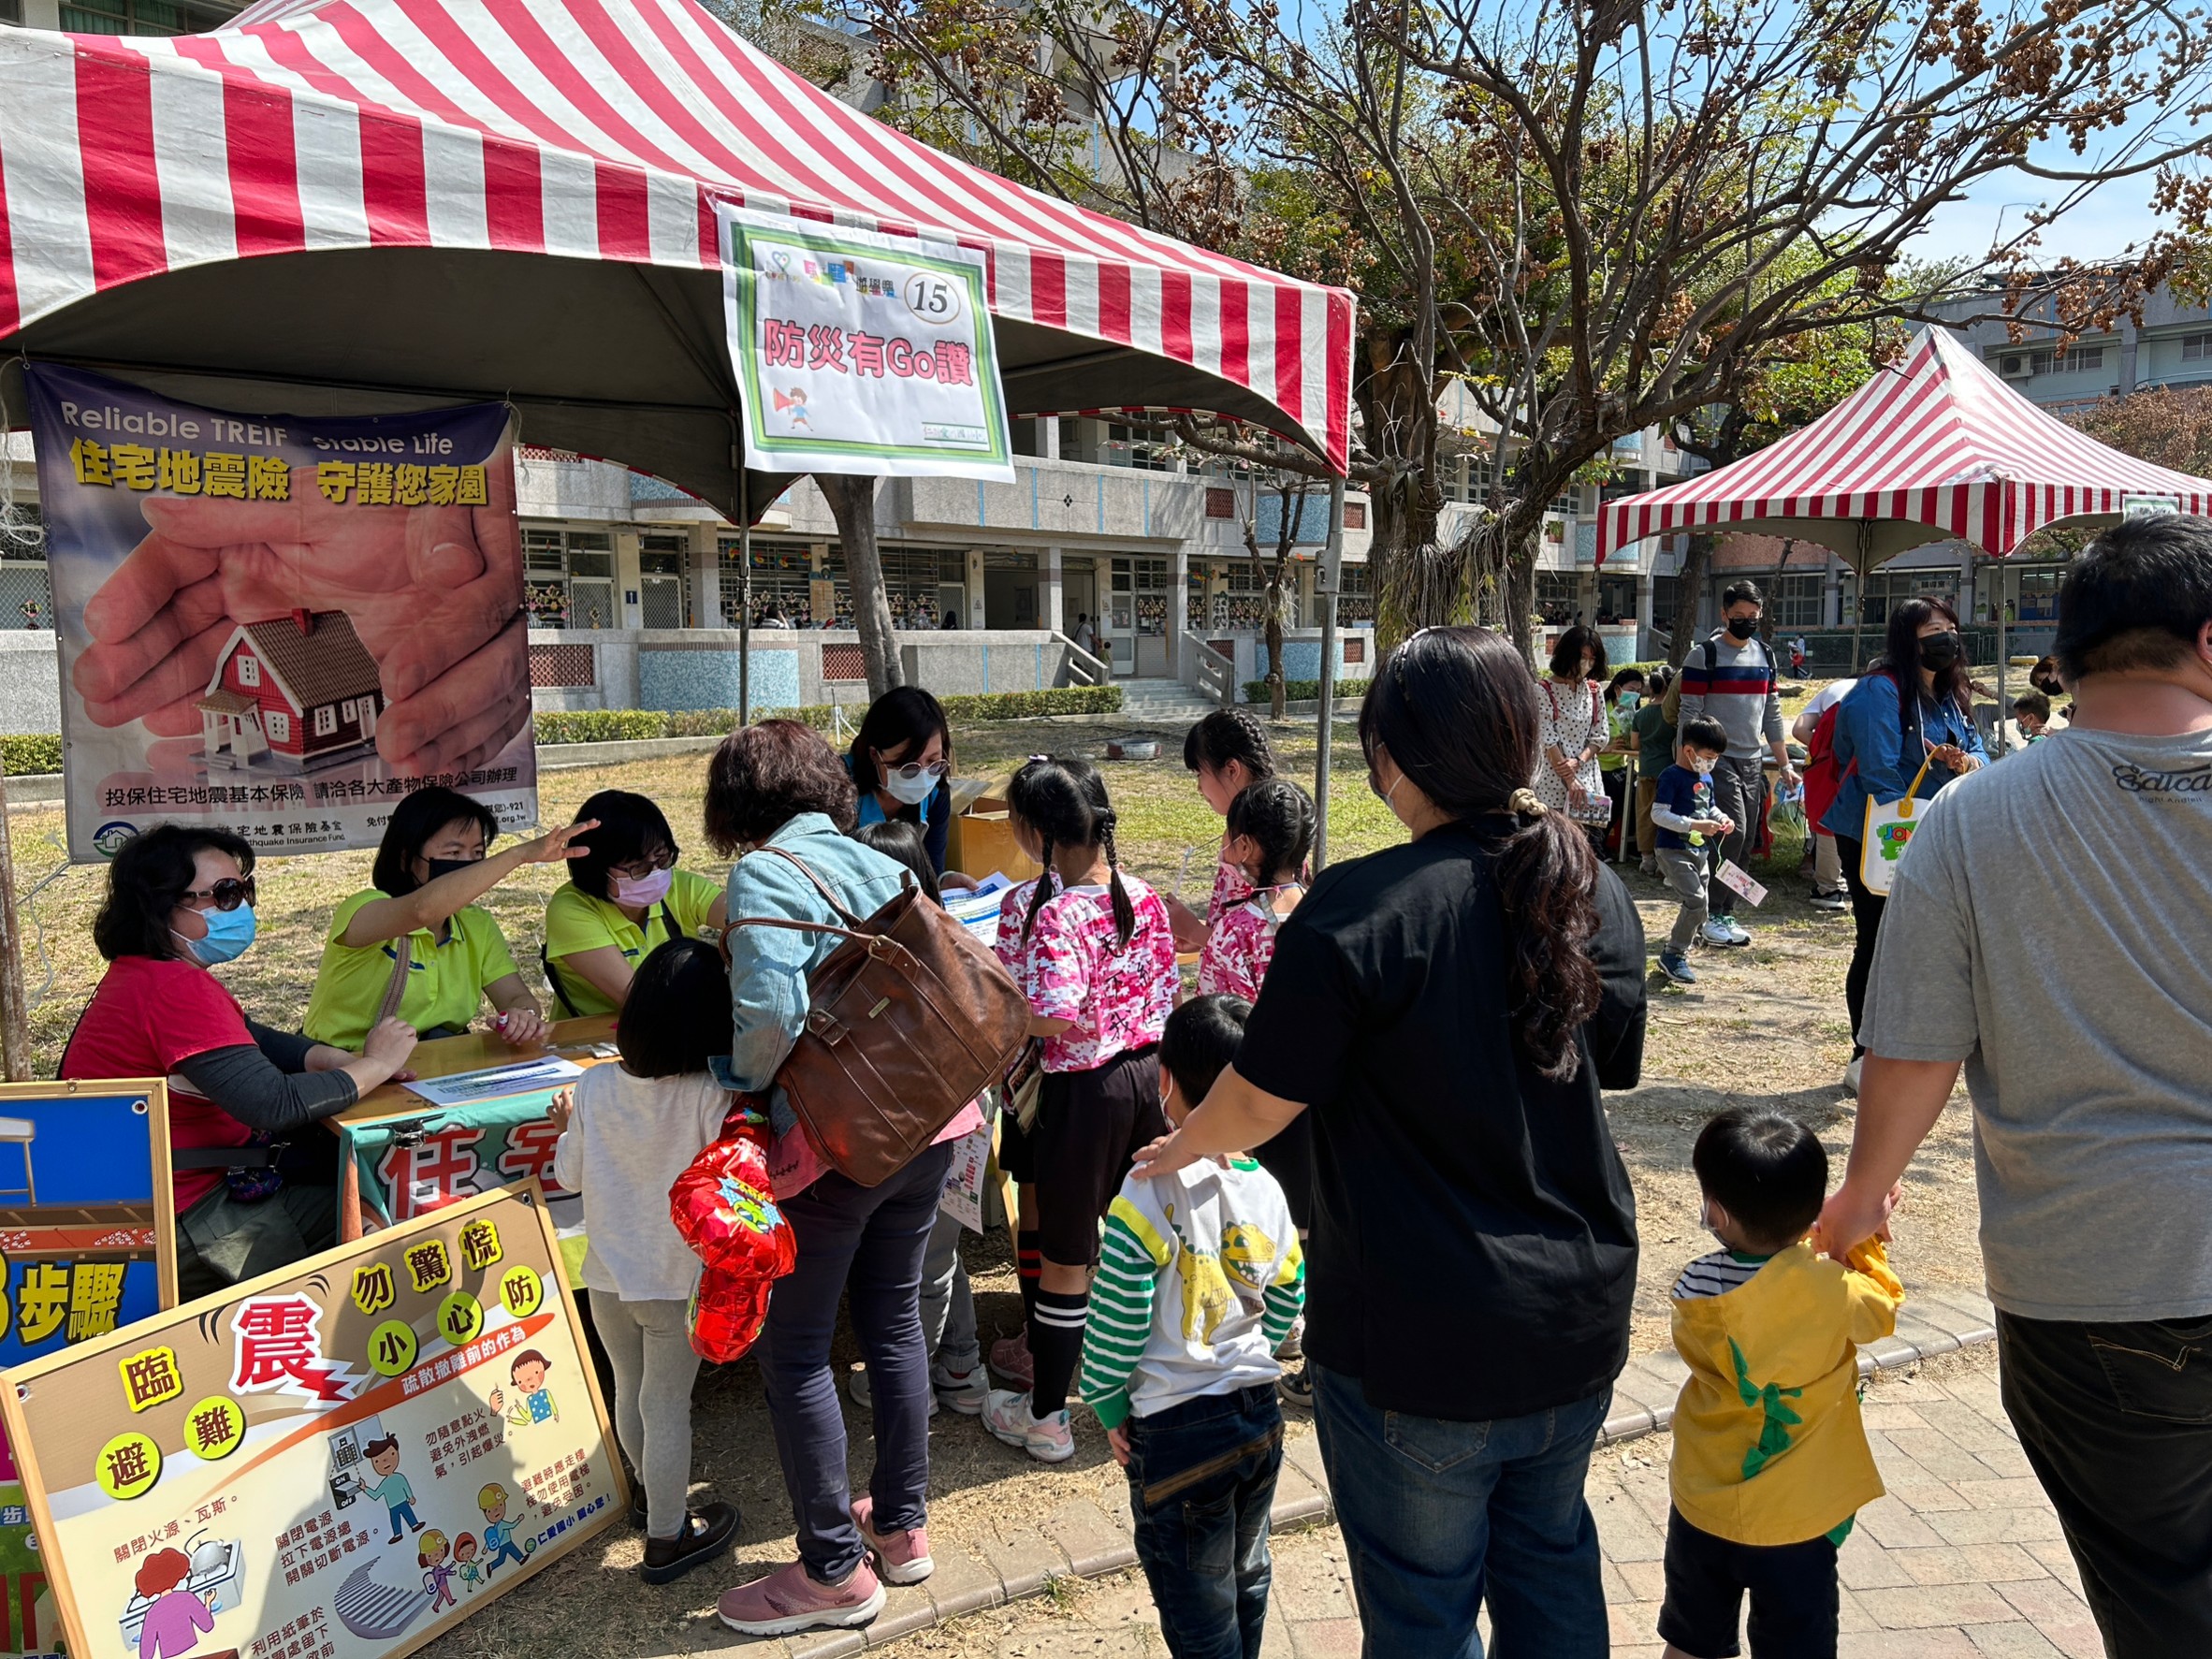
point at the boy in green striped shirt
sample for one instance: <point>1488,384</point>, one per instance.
<point>1200,1279</point>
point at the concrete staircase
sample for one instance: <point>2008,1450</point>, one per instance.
<point>1161,702</point>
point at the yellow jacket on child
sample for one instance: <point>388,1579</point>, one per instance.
<point>1769,1447</point>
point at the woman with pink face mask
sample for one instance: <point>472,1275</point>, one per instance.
<point>622,898</point>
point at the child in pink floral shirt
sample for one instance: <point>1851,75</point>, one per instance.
<point>1228,751</point>
<point>1099,967</point>
<point>1271,828</point>
<point>1010,1355</point>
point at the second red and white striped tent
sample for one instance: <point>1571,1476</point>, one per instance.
<point>402,200</point>
<point>1933,449</point>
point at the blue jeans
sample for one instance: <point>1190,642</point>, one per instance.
<point>865,1244</point>
<point>1439,1516</point>
<point>1202,1481</point>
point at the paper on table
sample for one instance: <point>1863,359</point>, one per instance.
<point>464,1088</point>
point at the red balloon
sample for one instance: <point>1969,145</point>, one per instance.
<point>724,1208</point>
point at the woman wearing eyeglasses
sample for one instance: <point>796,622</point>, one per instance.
<point>623,898</point>
<point>179,899</point>
<point>901,763</point>
<point>434,863</point>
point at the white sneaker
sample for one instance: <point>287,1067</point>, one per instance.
<point>1851,1075</point>
<point>1049,1440</point>
<point>1736,935</point>
<point>1717,932</point>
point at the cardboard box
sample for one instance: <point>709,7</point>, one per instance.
<point>981,839</point>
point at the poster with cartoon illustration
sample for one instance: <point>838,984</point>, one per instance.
<point>87,1244</point>
<point>280,624</point>
<point>862,353</point>
<point>341,1461</point>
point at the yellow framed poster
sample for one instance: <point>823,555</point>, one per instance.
<point>341,1459</point>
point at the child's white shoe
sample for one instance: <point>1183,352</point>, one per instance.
<point>1049,1440</point>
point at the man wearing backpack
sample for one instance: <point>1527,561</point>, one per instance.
<point>1731,677</point>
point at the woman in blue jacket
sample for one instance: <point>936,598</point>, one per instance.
<point>1882,738</point>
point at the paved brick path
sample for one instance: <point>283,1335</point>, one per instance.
<point>1961,1560</point>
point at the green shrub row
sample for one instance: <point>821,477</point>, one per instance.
<point>24,754</point>
<point>632,725</point>
<point>1305,690</point>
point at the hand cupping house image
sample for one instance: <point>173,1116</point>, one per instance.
<point>276,623</point>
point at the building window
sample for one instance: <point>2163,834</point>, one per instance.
<point>249,670</point>
<point>2196,348</point>
<point>1221,503</point>
<point>280,726</point>
<point>1355,650</point>
<point>1125,449</point>
<point>2080,360</point>
<point>326,720</point>
<point>11,11</point>
<point>1797,601</point>
<point>569,578</point>
<point>129,17</point>
<point>1355,515</point>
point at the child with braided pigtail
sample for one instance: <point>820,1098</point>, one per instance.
<point>1099,967</point>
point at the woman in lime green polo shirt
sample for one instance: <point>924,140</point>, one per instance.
<point>429,872</point>
<point>623,898</point>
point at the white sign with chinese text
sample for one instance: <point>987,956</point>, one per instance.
<point>859,352</point>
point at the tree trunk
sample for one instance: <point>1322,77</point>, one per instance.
<point>1689,583</point>
<point>1276,689</point>
<point>1420,582</point>
<point>1500,562</point>
<point>852,497</point>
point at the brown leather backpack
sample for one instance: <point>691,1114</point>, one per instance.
<point>909,1020</point>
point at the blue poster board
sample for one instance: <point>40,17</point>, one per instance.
<point>88,1245</point>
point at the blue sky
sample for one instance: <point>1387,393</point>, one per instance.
<point>2102,228</point>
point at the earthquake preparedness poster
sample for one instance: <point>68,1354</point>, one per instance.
<point>87,1244</point>
<point>859,352</point>
<point>342,1459</point>
<point>278,624</point>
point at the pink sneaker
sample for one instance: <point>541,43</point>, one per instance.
<point>788,1601</point>
<point>1010,1359</point>
<point>901,1558</point>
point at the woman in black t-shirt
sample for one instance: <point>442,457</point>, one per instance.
<point>1448,1010</point>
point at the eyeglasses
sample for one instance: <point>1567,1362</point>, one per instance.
<point>646,863</point>
<point>911,769</point>
<point>225,895</point>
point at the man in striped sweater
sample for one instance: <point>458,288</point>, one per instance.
<point>1731,677</point>
<point>1200,1279</point>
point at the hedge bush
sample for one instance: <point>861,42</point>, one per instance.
<point>1304,691</point>
<point>631,726</point>
<point>24,754</point>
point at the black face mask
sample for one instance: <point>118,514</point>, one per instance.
<point>1938,651</point>
<point>445,867</point>
<point>1743,627</point>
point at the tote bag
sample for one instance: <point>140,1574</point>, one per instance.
<point>1888,831</point>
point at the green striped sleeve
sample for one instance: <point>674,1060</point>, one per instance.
<point>1120,1320</point>
<point>1285,1300</point>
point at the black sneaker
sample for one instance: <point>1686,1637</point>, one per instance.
<point>707,1534</point>
<point>1296,1388</point>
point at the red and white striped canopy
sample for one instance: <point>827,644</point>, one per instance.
<point>1935,447</point>
<point>597,130</point>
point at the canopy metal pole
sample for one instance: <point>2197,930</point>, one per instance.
<point>2003,659</point>
<point>744,596</point>
<point>1325,590</point>
<point>1859,599</point>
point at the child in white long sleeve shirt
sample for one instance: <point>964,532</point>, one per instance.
<point>627,1131</point>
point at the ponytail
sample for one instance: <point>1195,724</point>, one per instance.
<point>1042,890</point>
<point>1547,878</point>
<point>1125,913</point>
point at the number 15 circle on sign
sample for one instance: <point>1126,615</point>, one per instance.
<point>932,297</point>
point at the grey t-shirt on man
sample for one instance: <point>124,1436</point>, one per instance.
<point>2051,926</point>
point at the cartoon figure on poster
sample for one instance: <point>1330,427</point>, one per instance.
<point>438,1571</point>
<point>390,1487</point>
<point>533,1401</point>
<point>465,1553</point>
<point>176,1598</point>
<point>280,624</point>
<point>499,1531</point>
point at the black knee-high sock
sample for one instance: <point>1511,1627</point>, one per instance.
<point>1028,1267</point>
<point>1056,1344</point>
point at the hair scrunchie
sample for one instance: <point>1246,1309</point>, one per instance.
<point>1523,803</point>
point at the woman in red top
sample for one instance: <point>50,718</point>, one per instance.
<point>181,897</point>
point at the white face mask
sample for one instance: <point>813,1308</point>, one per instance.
<point>1704,768</point>
<point>913,791</point>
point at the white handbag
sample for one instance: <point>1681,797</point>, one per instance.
<point>1886,834</point>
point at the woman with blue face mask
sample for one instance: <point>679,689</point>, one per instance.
<point>901,763</point>
<point>623,899</point>
<point>181,900</point>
